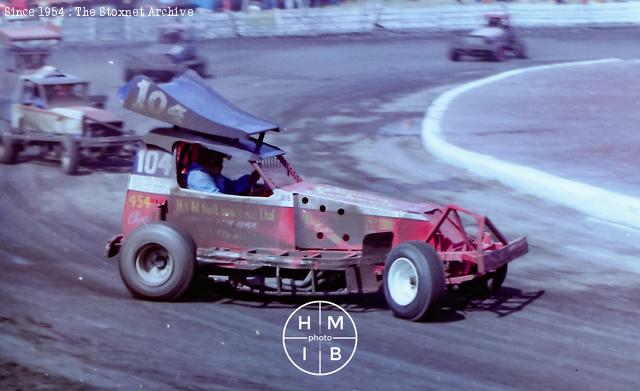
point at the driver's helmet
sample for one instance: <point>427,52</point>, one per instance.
<point>495,22</point>
<point>62,90</point>
<point>171,36</point>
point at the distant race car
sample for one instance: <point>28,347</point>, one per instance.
<point>28,43</point>
<point>54,111</point>
<point>175,53</point>
<point>285,236</point>
<point>496,41</point>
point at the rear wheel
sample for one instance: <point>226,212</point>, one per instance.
<point>413,280</point>
<point>129,74</point>
<point>167,76</point>
<point>492,282</point>
<point>158,262</point>
<point>70,155</point>
<point>500,54</point>
<point>8,149</point>
<point>520,50</point>
<point>454,55</point>
<point>488,283</point>
<point>20,65</point>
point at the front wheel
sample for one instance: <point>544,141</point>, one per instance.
<point>454,55</point>
<point>200,69</point>
<point>500,54</point>
<point>129,74</point>
<point>70,155</point>
<point>488,283</point>
<point>520,50</point>
<point>413,280</point>
<point>158,262</point>
<point>8,149</point>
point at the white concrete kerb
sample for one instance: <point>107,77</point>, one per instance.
<point>591,200</point>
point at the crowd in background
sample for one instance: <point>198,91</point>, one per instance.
<point>214,5</point>
<point>236,5</point>
<point>240,5</point>
<point>297,3</point>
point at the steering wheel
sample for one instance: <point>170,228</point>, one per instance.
<point>260,189</point>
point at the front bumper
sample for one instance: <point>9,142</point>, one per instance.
<point>492,260</point>
<point>111,141</point>
<point>473,255</point>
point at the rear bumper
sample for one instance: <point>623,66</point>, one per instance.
<point>113,246</point>
<point>83,142</point>
<point>488,261</point>
<point>98,142</point>
<point>497,258</point>
<point>475,50</point>
<point>30,50</point>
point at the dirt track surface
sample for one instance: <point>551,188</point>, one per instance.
<point>577,122</point>
<point>565,319</point>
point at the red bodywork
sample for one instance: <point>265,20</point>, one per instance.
<point>310,226</point>
<point>319,238</point>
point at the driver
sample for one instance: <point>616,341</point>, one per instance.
<point>205,174</point>
<point>495,22</point>
<point>62,91</point>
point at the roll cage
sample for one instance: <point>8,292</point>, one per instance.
<point>201,116</point>
<point>276,171</point>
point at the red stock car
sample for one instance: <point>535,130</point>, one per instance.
<point>285,236</point>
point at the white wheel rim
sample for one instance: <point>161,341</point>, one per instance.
<point>402,281</point>
<point>154,265</point>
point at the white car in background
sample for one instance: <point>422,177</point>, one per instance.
<point>55,112</point>
<point>496,41</point>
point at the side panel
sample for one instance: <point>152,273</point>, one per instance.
<point>326,224</point>
<point>150,184</point>
<point>322,223</point>
<point>406,229</point>
<point>213,220</point>
<point>234,222</point>
<point>141,208</point>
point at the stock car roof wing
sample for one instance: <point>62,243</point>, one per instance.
<point>246,149</point>
<point>189,103</point>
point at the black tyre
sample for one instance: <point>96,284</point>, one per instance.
<point>488,283</point>
<point>20,65</point>
<point>168,75</point>
<point>157,262</point>
<point>496,279</point>
<point>8,149</point>
<point>413,280</point>
<point>201,69</point>
<point>129,74</point>
<point>520,50</point>
<point>492,282</point>
<point>70,155</point>
<point>454,55</point>
<point>500,54</point>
